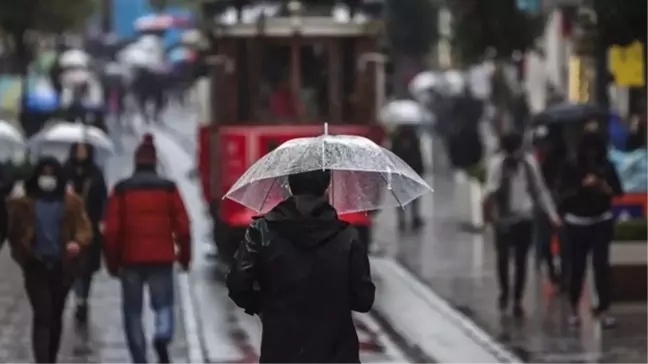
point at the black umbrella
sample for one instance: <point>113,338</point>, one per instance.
<point>571,113</point>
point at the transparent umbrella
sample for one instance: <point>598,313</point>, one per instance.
<point>365,176</point>
<point>404,112</point>
<point>74,58</point>
<point>11,140</point>
<point>57,139</point>
<point>423,82</point>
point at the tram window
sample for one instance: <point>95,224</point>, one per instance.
<point>275,100</point>
<point>348,74</point>
<point>244,102</point>
<point>314,91</point>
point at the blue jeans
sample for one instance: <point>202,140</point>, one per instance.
<point>159,278</point>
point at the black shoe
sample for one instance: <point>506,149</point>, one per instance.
<point>81,314</point>
<point>162,350</point>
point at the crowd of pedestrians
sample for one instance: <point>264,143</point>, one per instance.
<point>65,220</point>
<point>567,193</point>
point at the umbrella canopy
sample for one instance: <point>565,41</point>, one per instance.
<point>74,58</point>
<point>571,113</point>
<point>361,170</point>
<point>423,82</point>
<point>11,140</point>
<point>70,133</point>
<point>154,22</point>
<point>404,112</point>
<point>455,82</point>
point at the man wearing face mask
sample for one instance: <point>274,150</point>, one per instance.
<point>47,229</point>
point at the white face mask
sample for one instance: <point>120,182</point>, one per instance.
<point>47,183</point>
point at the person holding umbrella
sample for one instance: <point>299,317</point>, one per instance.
<point>329,277</point>
<point>300,268</point>
<point>88,182</point>
<point>588,185</point>
<point>407,145</point>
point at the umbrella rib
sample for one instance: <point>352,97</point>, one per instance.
<point>267,194</point>
<point>390,189</point>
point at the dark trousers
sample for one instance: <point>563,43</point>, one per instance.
<point>516,238</point>
<point>583,239</point>
<point>47,290</point>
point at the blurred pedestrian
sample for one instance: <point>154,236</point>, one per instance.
<point>303,271</point>
<point>6,186</point>
<point>48,227</point>
<point>88,182</point>
<point>146,231</point>
<point>514,189</point>
<point>407,145</point>
<point>589,183</point>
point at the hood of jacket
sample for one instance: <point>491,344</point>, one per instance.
<point>306,221</point>
<point>31,185</point>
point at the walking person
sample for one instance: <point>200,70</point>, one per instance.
<point>303,271</point>
<point>589,184</point>
<point>407,145</point>
<point>146,223</point>
<point>48,227</point>
<point>6,186</point>
<point>514,189</point>
<point>88,182</point>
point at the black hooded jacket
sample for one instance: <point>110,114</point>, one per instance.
<point>303,271</point>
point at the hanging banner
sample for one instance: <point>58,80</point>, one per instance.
<point>627,64</point>
<point>577,84</point>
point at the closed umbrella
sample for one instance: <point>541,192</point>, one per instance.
<point>404,112</point>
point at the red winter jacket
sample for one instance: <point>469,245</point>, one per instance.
<point>146,222</point>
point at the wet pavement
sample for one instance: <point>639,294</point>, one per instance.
<point>459,266</point>
<point>103,340</point>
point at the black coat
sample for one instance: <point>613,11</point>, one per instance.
<point>89,183</point>
<point>6,186</point>
<point>407,146</point>
<point>303,271</point>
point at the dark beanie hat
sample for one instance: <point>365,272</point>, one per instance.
<point>146,153</point>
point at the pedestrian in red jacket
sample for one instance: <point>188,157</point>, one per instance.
<point>146,224</point>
